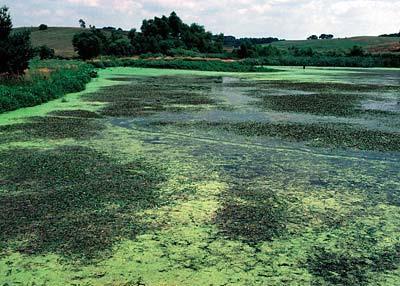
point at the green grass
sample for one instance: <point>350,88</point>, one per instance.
<point>373,44</point>
<point>57,38</point>
<point>45,80</point>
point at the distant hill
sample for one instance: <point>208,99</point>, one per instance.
<point>371,44</point>
<point>58,38</point>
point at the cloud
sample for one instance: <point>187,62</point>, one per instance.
<point>291,19</point>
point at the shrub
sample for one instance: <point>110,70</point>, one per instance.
<point>64,77</point>
<point>43,27</point>
<point>87,44</point>
<point>44,52</point>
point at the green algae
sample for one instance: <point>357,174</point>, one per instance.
<point>228,209</point>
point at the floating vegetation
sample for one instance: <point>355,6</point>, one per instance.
<point>319,134</point>
<point>75,113</point>
<point>148,96</point>
<point>252,214</point>
<point>200,182</point>
<point>73,201</point>
<point>51,127</point>
<point>353,263</point>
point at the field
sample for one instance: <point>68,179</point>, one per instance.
<point>60,39</point>
<point>172,177</point>
<point>371,44</point>
<point>57,38</point>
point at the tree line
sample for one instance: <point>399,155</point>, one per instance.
<point>158,35</point>
<point>321,37</point>
<point>232,41</point>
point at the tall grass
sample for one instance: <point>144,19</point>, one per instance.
<point>45,80</point>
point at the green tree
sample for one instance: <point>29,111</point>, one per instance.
<point>44,52</point>
<point>120,47</point>
<point>87,44</point>
<point>356,51</point>
<point>82,24</point>
<point>42,27</point>
<point>15,49</point>
<point>5,23</point>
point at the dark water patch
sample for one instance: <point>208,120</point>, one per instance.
<point>50,127</point>
<point>73,201</point>
<point>75,113</point>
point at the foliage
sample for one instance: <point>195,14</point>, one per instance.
<point>160,35</point>
<point>356,51</point>
<point>44,52</point>
<point>5,23</point>
<point>231,41</point>
<point>87,44</point>
<point>82,24</point>
<point>326,36</point>
<point>61,77</point>
<point>312,37</point>
<point>15,48</point>
<point>42,27</point>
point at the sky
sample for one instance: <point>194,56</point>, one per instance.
<point>286,19</point>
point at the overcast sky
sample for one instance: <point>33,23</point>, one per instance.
<point>289,19</point>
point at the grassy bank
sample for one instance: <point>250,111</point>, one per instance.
<point>202,65</point>
<point>45,80</point>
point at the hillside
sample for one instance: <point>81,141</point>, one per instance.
<point>371,44</point>
<point>58,38</point>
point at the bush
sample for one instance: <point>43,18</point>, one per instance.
<point>43,27</point>
<point>63,77</point>
<point>44,52</point>
<point>87,44</point>
<point>120,47</point>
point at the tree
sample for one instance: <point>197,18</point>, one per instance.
<point>5,23</point>
<point>44,52</point>
<point>246,50</point>
<point>356,51</point>
<point>312,37</point>
<point>42,27</point>
<point>82,24</point>
<point>326,36</point>
<point>15,49</point>
<point>120,47</point>
<point>175,23</point>
<point>87,44</point>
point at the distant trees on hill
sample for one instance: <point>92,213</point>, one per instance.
<point>42,27</point>
<point>321,37</point>
<point>15,48</point>
<point>391,35</point>
<point>82,24</point>
<point>326,36</point>
<point>232,41</point>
